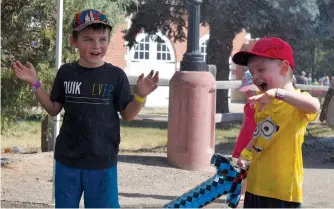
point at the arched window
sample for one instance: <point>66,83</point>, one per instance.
<point>163,52</point>
<point>142,50</point>
<point>149,49</point>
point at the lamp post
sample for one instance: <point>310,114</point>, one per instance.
<point>192,105</point>
<point>193,59</point>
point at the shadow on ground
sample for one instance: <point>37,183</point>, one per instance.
<point>161,161</point>
<point>148,160</point>
<point>160,197</point>
<point>16,204</point>
<point>145,124</point>
<point>154,196</point>
<point>164,124</point>
<point>318,155</point>
<point>225,148</point>
<point>315,155</point>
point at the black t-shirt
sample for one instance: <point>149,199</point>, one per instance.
<point>92,97</point>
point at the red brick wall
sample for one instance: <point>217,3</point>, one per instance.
<point>239,71</point>
<point>181,47</point>
<point>117,50</point>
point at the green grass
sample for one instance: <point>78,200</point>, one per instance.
<point>139,135</point>
<point>26,134</point>
<point>136,135</point>
<point>154,111</point>
<point>319,130</point>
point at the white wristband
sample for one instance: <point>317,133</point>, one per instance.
<point>280,93</point>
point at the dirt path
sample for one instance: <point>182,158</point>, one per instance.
<point>145,180</point>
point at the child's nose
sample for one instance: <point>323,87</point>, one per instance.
<point>96,44</point>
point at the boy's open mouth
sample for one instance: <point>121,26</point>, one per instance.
<point>95,53</point>
<point>263,86</point>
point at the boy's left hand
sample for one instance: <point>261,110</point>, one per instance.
<point>262,99</point>
<point>147,85</point>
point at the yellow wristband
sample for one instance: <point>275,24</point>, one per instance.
<point>246,154</point>
<point>139,99</point>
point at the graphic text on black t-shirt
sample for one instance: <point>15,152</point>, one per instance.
<point>72,87</point>
<point>101,93</point>
<point>103,90</point>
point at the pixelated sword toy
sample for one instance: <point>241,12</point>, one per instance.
<point>227,180</point>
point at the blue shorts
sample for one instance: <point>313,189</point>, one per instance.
<point>100,187</point>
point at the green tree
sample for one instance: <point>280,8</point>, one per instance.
<point>291,20</point>
<point>323,41</point>
<point>28,33</point>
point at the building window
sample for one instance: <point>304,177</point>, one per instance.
<point>151,50</point>
<point>163,52</point>
<point>142,50</point>
<point>203,48</point>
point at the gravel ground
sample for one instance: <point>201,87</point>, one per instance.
<point>146,180</point>
<point>27,180</point>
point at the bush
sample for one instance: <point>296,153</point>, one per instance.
<point>17,100</point>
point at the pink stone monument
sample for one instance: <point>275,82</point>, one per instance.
<point>191,120</point>
<point>192,105</point>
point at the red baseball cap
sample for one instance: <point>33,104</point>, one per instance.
<point>270,47</point>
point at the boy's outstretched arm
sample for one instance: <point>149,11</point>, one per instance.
<point>144,87</point>
<point>132,109</point>
<point>29,75</point>
<point>303,102</point>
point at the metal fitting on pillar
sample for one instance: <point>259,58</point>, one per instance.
<point>193,59</point>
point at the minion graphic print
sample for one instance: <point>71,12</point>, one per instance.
<point>276,169</point>
<point>265,129</point>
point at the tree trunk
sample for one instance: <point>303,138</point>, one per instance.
<point>44,134</point>
<point>219,52</point>
<point>50,136</point>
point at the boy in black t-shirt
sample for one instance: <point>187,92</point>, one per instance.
<point>92,93</point>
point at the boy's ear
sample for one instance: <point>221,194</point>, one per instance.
<point>284,67</point>
<point>73,41</point>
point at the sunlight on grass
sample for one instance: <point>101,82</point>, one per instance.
<point>142,138</point>
<point>154,111</point>
<point>320,131</point>
<point>25,134</point>
<point>136,135</point>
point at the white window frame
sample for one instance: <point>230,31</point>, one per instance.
<point>153,49</point>
<point>203,44</point>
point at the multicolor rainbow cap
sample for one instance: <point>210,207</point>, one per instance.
<point>247,82</point>
<point>87,17</point>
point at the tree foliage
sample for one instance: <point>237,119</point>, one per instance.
<point>299,22</point>
<point>28,33</point>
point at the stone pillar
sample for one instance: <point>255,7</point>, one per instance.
<point>191,120</point>
<point>192,105</point>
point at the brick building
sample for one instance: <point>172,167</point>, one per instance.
<point>164,57</point>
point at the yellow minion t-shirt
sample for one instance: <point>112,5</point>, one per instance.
<point>276,169</point>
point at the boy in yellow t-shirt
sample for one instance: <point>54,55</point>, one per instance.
<point>282,113</point>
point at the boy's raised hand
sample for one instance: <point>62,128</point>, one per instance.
<point>262,99</point>
<point>25,73</point>
<point>146,85</point>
